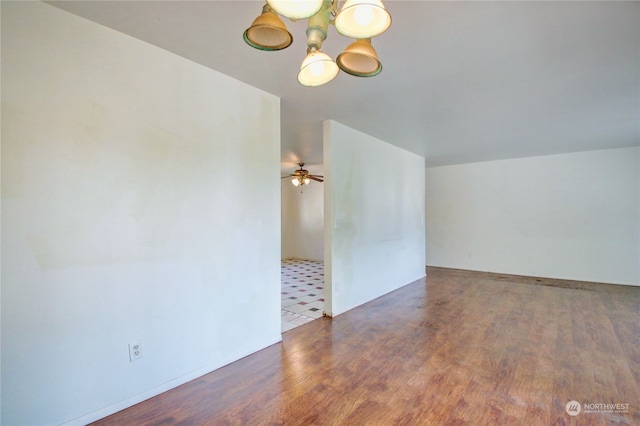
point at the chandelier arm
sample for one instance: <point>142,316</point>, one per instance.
<point>318,26</point>
<point>333,11</point>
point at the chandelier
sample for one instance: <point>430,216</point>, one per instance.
<point>358,19</point>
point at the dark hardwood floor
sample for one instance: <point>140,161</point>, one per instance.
<point>457,348</point>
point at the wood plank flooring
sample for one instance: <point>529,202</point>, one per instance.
<point>457,348</point>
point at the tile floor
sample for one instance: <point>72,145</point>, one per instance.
<point>302,292</point>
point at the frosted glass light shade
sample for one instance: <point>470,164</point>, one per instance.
<point>317,69</point>
<point>268,32</point>
<point>295,181</point>
<point>360,59</point>
<point>296,9</point>
<point>363,19</point>
<point>306,181</point>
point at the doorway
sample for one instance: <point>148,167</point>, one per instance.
<point>302,267</point>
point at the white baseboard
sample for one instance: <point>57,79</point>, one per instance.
<point>143,396</point>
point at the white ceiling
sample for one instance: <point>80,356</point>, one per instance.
<point>461,81</point>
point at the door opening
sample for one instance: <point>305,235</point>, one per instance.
<point>302,267</point>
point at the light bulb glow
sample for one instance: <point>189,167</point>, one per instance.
<point>296,9</point>
<point>295,181</point>
<point>317,69</point>
<point>362,19</point>
<point>363,15</point>
<point>307,181</point>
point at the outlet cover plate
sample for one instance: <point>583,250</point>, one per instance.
<point>135,351</point>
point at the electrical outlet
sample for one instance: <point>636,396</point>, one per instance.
<point>135,351</point>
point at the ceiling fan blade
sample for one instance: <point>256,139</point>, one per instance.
<point>287,176</point>
<point>316,178</point>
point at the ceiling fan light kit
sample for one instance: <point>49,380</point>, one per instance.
<point>302,177</point>
<point>300,181</point>
<point>359,19</point>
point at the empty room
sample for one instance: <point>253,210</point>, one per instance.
<point>463,178</point>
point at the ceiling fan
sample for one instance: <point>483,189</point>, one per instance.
<point>303,177</point>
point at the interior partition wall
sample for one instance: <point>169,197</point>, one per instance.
<point>374,217</point>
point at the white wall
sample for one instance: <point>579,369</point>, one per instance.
<point>124,218</point>
<point>571,216</point>
<point>374,217</point>
<point>303,219</point>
